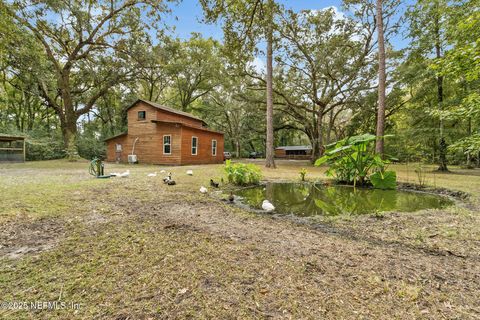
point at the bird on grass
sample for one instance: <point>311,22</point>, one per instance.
<point>267,206</point>
<point>162,171</point>
<point>190,172</point>
<point>213,183</point>
<point>231,197</point>
<point>152,174</point>
<point>124,174</point>
<point>167,178</point>
<point>171,182</point>
<point>203,189</point>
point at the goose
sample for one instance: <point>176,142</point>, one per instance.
<point>124,174</point>
<point>203,189</point>
<point>190,172</point>
<point>267,206</point>
<point>213,183</point>
<point>171,182</point>
<point>152,174</point>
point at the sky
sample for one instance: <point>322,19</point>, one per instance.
<point>186,18</point>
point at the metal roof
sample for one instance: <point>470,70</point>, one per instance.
<point>8,137</point>
<point>115,136</point>
<point>294,148</point>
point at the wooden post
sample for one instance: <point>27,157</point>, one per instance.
<point>24,151</point>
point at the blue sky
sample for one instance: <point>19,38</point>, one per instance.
<point>186,17</point>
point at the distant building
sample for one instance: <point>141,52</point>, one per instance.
<point>12,148</point>
<point>294,152</point>
<point>161,135</point>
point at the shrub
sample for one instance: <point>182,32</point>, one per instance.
<point>242,174</point>
<point>353,161</point>
<point>303,173</point>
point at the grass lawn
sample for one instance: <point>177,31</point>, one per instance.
<point>135,248</point>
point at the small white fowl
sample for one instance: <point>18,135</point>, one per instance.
<point>152,174</point>
<point>162,171</point>
<point>203,189</point>
<point>124,174</point>
<point>267,206</point>
<point>190,172</point>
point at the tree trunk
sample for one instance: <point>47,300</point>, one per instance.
<point>442,166</point>
<point>269,152</point>
<point>69,132</point>
<point>379,146</point>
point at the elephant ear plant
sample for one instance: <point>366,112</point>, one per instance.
<point>353,161</point>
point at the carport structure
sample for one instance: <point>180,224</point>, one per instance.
<point>12,148</point>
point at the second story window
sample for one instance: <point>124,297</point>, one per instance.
<point>167,144</point>
<point>142,115</point>
<point>194,146</point>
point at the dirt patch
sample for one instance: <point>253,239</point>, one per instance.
<point>30,237</point>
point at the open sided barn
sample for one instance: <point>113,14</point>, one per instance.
<point>12,148</point>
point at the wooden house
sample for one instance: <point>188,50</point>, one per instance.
<point>161,135</point>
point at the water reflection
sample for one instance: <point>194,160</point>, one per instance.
<point>309,199</point>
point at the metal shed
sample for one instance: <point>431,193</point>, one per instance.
<point>12,148</point>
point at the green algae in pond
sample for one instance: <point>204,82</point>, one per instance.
<point>309,199</point>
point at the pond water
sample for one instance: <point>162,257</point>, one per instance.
<point>304,199</point>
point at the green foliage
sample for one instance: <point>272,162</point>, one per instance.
<point>44,149</point>
<point>421,174</point>
<point>303,173</point>
<point>242,174</point>
<point>353,161</point>
<point>384,180</point>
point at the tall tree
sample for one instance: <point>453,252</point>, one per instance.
<point>269,152</point>
<point>382,79</point>
<point>87,45</point>
<point>244,23</point>
<point>427,30</point>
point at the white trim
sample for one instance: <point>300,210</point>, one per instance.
<point>214,154</point>
<point>196,146</point>
<point>170,144</point>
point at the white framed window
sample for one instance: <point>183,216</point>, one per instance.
<point>194,146</point>
<point>167,144</point>
<point>214,148</point>
<point>118,147</point>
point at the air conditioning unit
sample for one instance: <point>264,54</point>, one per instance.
<point>132,158</point>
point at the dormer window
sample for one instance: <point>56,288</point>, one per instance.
<point>142,115</point>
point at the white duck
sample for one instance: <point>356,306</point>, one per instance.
<point>267,206</point>
<point>124,174</point>
<point>203,189</point>
<point>152,174</point>
<point>190,172</point>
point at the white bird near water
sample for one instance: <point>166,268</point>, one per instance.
<point>152,174</point>
<point>267,206</point>
<point>203,189</point>
<point>124,174</point>
<point>190,172</point>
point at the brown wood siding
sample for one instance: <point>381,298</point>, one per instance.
<point>280,153</point>
<point>204,152</point>
<point>149,147</point>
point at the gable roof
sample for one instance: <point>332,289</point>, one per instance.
<point>168,109</point>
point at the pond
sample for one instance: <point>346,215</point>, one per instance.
<point>305,199</point>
